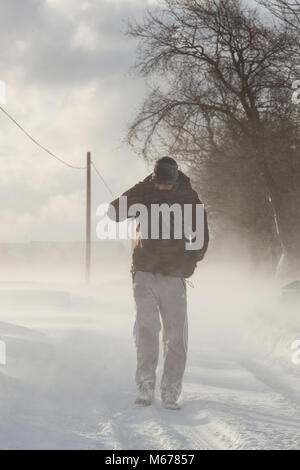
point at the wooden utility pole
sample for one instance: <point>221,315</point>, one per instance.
<point>88,219</point>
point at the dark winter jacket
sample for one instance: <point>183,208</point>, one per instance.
<point>165,256</point>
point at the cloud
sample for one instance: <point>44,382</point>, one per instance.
<point>65,64</point>
<point>60,214</point>
<point>67,41</point>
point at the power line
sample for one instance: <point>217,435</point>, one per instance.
<point>103,180</point>
<point>39,145</point>
<point>64,162</point>
<point>123,244</point>
<point>88,168</point>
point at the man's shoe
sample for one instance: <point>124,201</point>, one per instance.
<point>171,405</point>
<point>146,395</point>
<point>169,401</point>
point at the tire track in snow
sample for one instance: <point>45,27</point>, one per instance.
<point>153,428</point>
<point>137,428</point>
<point>189,437</point>
<point>270,420</point>
<point>213,431</point>
<point>244,415</point>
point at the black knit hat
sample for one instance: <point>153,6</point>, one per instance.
<point>165,171</point>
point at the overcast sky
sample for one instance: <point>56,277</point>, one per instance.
<point>66,67</point>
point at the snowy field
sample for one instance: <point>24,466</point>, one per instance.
<point>69,378</point>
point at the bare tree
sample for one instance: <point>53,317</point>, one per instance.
<point>222,69</point>
<point>286,10</point>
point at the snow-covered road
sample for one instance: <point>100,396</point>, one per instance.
<point>68,382</point>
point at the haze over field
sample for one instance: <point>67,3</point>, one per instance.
<point>69,378</point>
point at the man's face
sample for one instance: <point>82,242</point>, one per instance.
<point>163,187</point>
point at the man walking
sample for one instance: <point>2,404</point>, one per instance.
<point>160,266</point>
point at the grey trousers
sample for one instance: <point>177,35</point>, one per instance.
<point>157,295</point>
